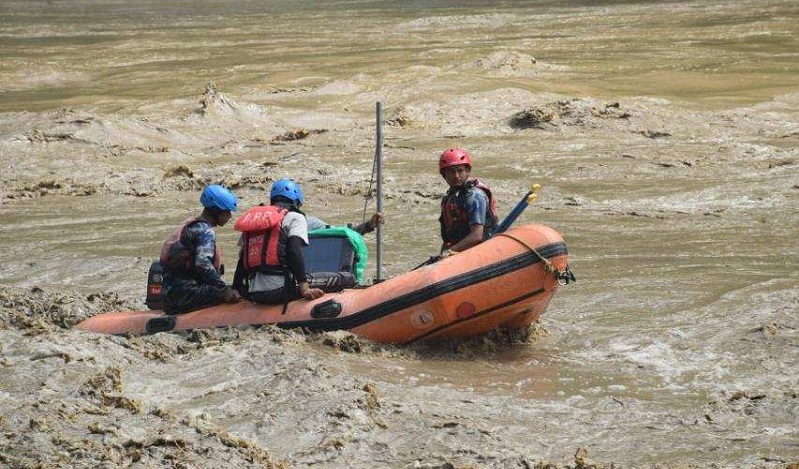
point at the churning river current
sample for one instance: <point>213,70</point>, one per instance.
<point>665,136</point>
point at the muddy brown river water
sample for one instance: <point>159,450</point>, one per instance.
<point>665,136</point>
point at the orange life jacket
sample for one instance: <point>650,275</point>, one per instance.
<point>178,254</point>
<point>260,227</point>
<point>455,219</point>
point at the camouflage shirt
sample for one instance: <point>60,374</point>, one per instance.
<point>202,238</point>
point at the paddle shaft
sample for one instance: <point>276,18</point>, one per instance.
<point>528,198</point>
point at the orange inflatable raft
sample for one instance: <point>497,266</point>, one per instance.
<point>505,282</point>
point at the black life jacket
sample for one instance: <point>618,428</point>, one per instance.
<point>454,218</point>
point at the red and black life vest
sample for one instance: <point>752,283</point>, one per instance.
<point>177,253</point>
<point>454,217</point>
<point>263,249</point>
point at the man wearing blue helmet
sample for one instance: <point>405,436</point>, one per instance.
<point>271,265</point>
<point>192,261</point>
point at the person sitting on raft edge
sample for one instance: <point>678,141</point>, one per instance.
<point>468,209</point>
<point>271,267</point>
<point>192,260</point>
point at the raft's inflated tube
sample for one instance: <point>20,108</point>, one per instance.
<point>504,282</point>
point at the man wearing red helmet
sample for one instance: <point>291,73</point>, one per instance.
<point>468,210</point>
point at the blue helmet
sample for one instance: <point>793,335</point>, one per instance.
<point>288,189</point>
<point>216,196</point>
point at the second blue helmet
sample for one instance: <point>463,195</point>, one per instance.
<point>216,196</point>
<point>288,189</point>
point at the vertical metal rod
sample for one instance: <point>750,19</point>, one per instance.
<point>379,164</point>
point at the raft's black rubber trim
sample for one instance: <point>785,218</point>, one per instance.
<point>160,324</point>
<point>476,315</point>
<point>431,291</point>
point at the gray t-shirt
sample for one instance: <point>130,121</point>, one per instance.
<point>294,224</point>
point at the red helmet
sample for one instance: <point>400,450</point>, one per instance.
<point>454,157</point>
